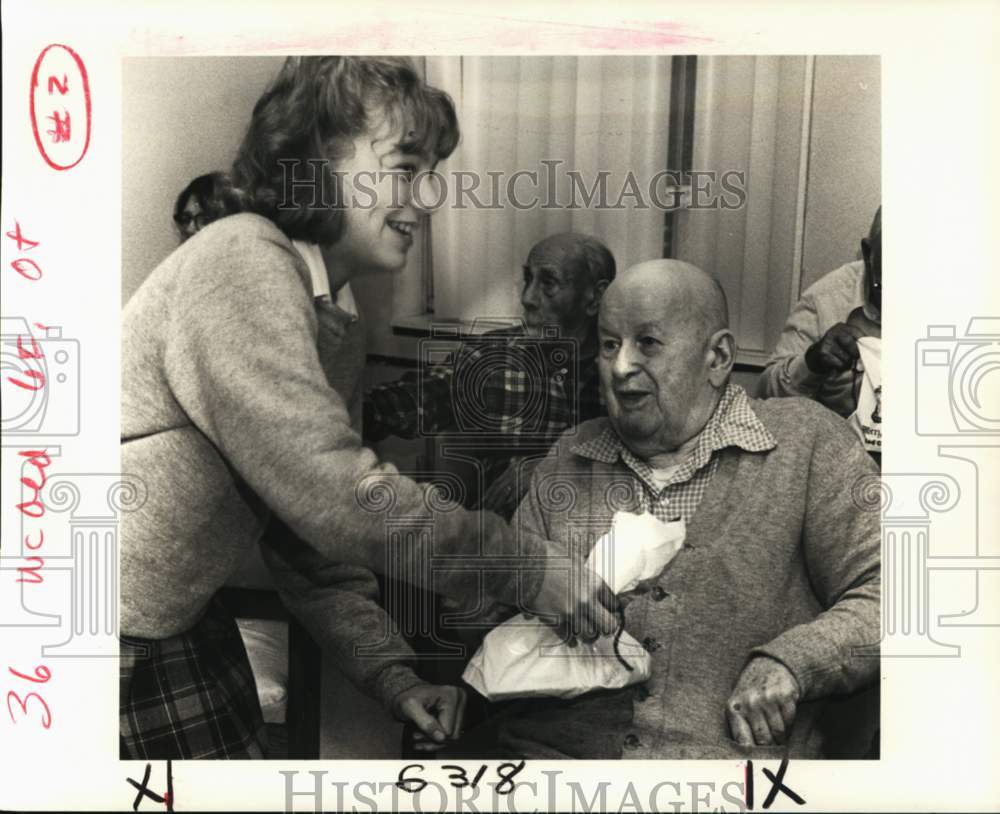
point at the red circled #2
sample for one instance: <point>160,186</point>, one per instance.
<point>60,106</point>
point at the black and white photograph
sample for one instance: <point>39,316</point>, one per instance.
<point>455,407</point>
<point>501,407</point>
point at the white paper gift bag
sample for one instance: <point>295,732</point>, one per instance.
<point>866,421</point>
<point>638,547</point>
<point>525,658</point>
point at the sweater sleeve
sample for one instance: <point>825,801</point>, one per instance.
<point>339,605</point>
<point>786,373</point>
<point>837,652</point>
<point>241,361</point>
<point>530,520</point>
<point>412,404</point>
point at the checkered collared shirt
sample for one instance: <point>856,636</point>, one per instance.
<point>506,386</point>
<point>732,424</point>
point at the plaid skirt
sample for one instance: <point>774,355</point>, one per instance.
<point>190,696</point>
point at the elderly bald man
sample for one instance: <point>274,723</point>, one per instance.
<point>760,618</point>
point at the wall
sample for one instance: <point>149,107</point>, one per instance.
<point>749,119</point>
<point>181,117</point>
<point>807,134</point>
<point>845,161</point>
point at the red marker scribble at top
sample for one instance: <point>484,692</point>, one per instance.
<point>474,28</point>
<point>638,36</point>
<point>60,107</point>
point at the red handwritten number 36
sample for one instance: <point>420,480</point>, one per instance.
<point>60,107</point>
<point>42,674</point>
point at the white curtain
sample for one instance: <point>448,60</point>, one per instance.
<point>593,114</point>
<point>752,117</point>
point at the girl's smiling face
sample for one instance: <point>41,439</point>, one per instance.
<point>379,215</point>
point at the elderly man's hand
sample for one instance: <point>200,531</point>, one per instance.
<point>761,709</point>
<point>837,350</point>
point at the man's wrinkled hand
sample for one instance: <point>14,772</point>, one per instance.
<point>578,604</point>
<point>761,709</point>
<point>837,350</point>
<point>436,710</point>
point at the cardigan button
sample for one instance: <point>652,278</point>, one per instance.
<point>659,594</point>
<point>632,742</point>
<point>650,644</point>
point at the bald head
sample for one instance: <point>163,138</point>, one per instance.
<point>666,355</point>
<point>684,292</point>
<point>584,256</point>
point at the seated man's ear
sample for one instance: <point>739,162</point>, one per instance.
<point>866,251</point>
<point>722,346</point>
<point>594,303</point>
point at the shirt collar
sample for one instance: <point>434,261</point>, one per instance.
<point>733,423</point>
<point>313,258</point>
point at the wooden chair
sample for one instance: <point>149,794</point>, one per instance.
<point>249,596</point>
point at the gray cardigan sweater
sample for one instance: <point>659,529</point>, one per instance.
<point>237,391</point>
<point>780,559</point>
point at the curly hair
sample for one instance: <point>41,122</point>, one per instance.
<point>215,196</point>
<point>313,111</point>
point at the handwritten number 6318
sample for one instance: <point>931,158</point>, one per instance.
<point>459,777</point>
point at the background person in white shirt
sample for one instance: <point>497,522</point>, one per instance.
<point>818,349</point>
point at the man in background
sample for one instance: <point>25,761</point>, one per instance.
<point>564,277</point>
<point>817,352</point>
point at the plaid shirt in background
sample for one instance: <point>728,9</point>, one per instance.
<point>511,392</point>
<point>732,424</point>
